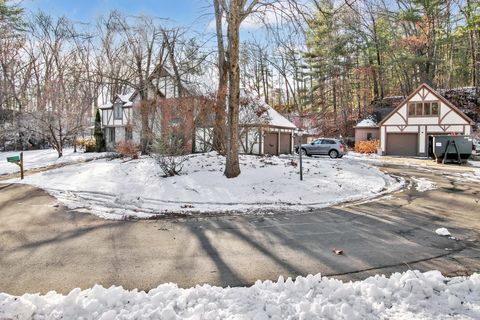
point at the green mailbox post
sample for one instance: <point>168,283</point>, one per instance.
<point>18,160</point>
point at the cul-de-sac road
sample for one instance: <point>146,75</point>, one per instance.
<point>45,247</point>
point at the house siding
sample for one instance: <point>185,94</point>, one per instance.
<point>361,134</point>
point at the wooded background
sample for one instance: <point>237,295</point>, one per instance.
<point>330,61</point>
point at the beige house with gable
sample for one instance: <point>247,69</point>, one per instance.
<point>425,112</point>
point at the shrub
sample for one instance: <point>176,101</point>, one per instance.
<point>88,144</point>
<point>170,156</point>
<point>128,149</point>
<point>367,146</point>
<point>98,133</point>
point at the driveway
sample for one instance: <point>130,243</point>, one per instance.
<point>44,246</point>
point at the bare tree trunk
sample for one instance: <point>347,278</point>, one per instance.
<point>219,130</point>
<point>232,168</point>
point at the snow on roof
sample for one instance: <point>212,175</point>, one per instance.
<point>254,110</point>
<point>367,123</point>
<point>107,105</point>
<point>126,97</point>
<point>277,120</point>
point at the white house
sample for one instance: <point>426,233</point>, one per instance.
<point>117,119</point>
<point>425,112</point>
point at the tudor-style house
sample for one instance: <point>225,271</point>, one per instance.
<point>120,121</point>
<point>117,119</point>
<point>406,129</point>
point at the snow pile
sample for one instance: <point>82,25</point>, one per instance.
<point>442,232</point>
<point>409,295</point>
<point>42,158</point>
<point>116,189</point>
<point>423,184</point>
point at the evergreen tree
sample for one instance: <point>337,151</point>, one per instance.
<point>98,133</point>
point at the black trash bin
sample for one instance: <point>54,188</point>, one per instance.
<point>446,148</point>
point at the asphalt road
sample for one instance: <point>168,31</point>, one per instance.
<point>44,246</point>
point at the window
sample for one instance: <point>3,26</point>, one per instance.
<point>411,109</point>
<point>128,133</point>
<point>369,136</point>
<point>427,109</point>
<point>418,109</point>
<point>117,112</point>
<point>423,109</point>
<point>111,135</point>
<point>317,142</point>
<point>328,142</point>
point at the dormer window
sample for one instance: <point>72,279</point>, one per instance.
<point>117,112</point>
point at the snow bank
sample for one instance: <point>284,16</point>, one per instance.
<point>115,189</point>
<point>409,295</point>
<point>42,158</point>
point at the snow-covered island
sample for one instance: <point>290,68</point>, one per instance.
<point>119,189</point>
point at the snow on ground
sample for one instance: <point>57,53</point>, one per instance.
<point>116,189</point>
<point>409,295</point>
<point>474,163</point>
<point>424,184</point>
<point>370,157</point>
<point>442,232</point>
<point>42,158</point>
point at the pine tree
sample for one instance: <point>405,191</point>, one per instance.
<point>98,133</point>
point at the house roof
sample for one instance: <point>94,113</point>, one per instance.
<point>275,119</point>
<point>254,111</point>
<point>107,105</point>
<point>125,98</point>
<point>369,122</point>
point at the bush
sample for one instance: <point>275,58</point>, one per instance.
<point>128,149</point>
<point>98,133</point>
<point>170,156</point>
<point>88,144</point>
<point>367,146</point>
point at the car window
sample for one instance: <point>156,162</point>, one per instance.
<point>328,142</point>
<point>317,141</point>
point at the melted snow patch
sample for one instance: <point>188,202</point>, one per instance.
<point>423,184</point>
<point>442,232</point>
<point>401,296</point>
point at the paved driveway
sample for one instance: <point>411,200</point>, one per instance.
<point>44,246</point>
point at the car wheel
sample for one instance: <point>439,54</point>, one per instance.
<point>333,154</point>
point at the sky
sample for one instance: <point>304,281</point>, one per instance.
<point>181,12</point>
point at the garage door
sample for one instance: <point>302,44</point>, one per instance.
<point>286,143</point>
<point>402,144</point>
<point>270,144</point>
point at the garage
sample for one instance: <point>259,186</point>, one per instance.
<point>405,130</point>
<point>402,144</point>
